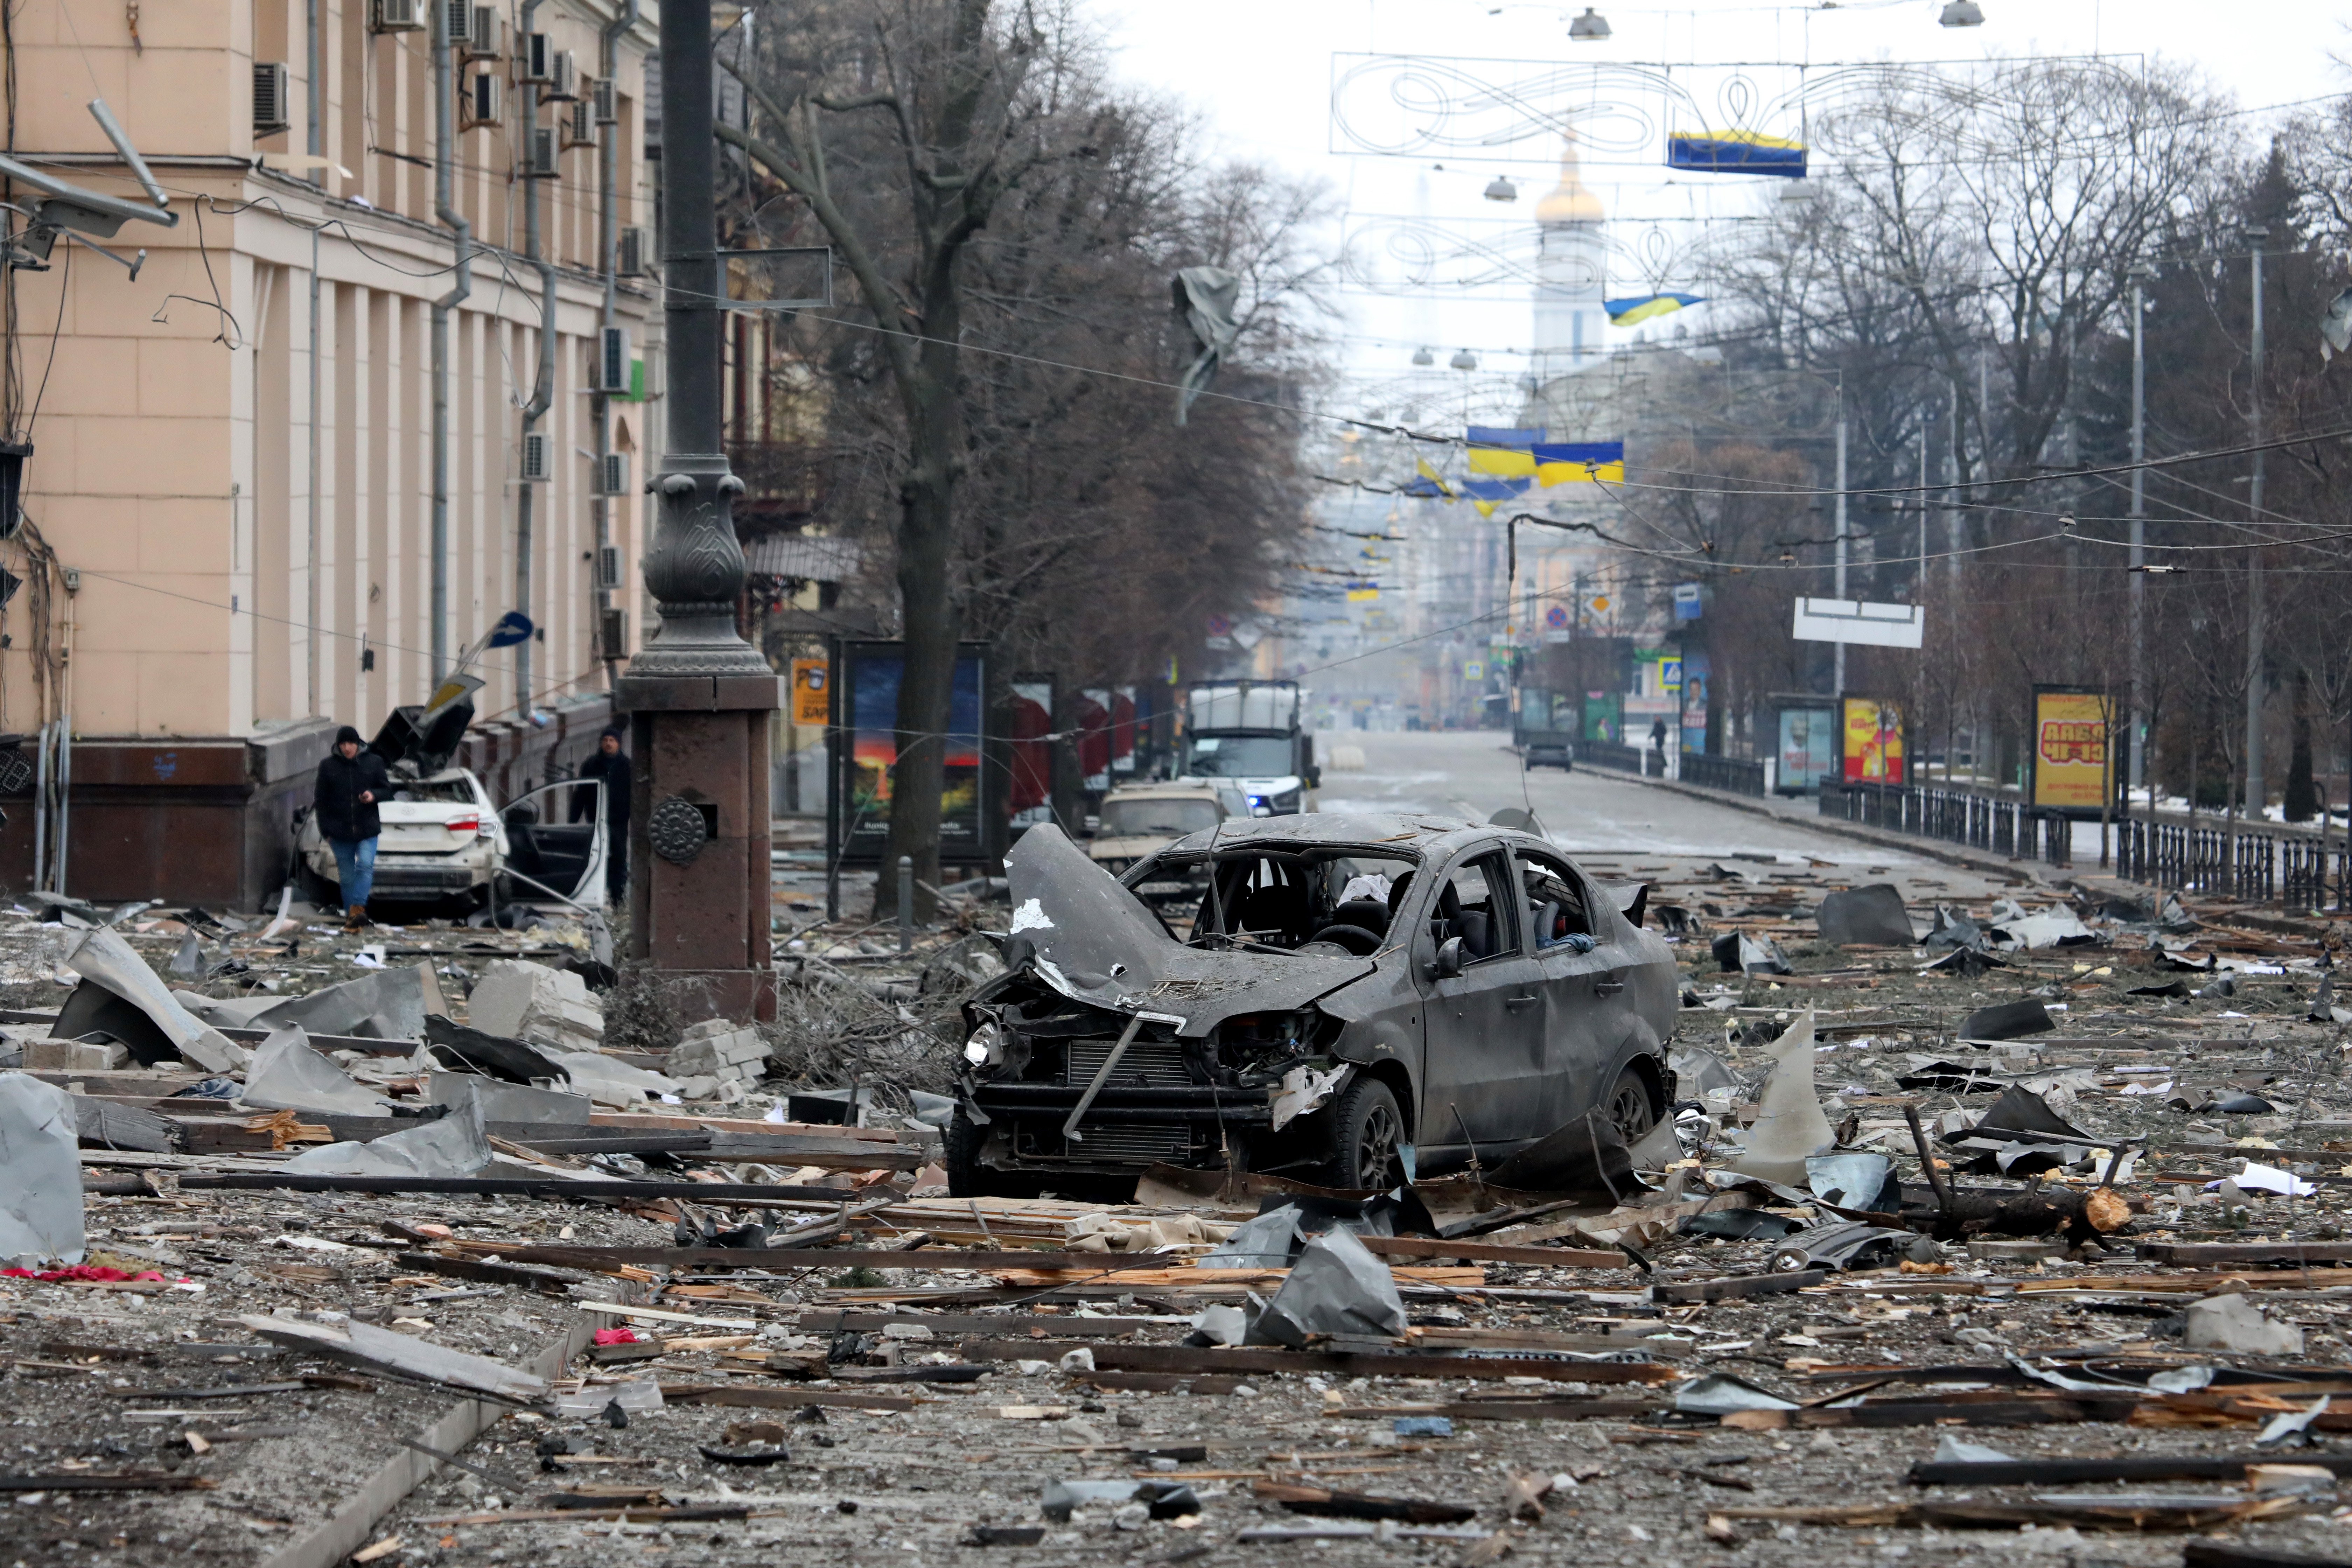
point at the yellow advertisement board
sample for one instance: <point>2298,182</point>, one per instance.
<point>1873,741</point>
<point>2071,755</point>
<point>812,691</point>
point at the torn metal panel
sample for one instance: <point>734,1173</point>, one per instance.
<point>389,1005</point>
<point>1336,1287</point>
<point>40,1172</point>
<point>105,960</point>
<point>369,1345</point>
<point>455,1145</point>
<point>1866,917</point>
<point>286,1074</point>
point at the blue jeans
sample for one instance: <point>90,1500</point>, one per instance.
<point>354,867</point>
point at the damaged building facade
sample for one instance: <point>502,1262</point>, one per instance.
<point>231,541</point>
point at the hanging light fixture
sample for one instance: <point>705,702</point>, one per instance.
<point>1463,360</point>
<point>1423,358</point>
<point>1591,27</point>
<point>1500,189</point>
<point>1962,13</point>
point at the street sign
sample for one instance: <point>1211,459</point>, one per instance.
<point>1473,669</point>
<point>812,682</point>
<point>1852,621</point>
<point>1670,674</point>
<point>1556,617</point>
<point>513,628</point>
<point>1221,625</point>
<point>1686,602</point>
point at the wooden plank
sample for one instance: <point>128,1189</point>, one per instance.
<point>768,1396</point>
<point>2221,1254</point>
<point>1205,1382</point>
<point>944,1260</point>
<point>1939,1412</point>
<point>1735,1287</point>
<point>1400,1363</point>
<point>1490,1252</point>
<point>2066,1472</point>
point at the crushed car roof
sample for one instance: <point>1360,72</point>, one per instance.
<point>1417,834</point>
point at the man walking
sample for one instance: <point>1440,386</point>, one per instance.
<point>350,781</point>
<point>612,764</point>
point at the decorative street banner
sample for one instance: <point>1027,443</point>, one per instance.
<point>1873,741</point>
<point>2072,770</point>
<point>812,698</point>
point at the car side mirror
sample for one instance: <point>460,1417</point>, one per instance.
<point>1448,962</point>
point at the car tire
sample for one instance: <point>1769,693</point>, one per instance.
<point>1631,1105</point>
<point>967,1178</point>
<point>1367,1132</point>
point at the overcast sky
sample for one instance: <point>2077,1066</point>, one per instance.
<point>1260,74</point>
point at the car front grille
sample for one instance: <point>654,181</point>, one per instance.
<point>1148,1064</point>
<point>1114,1140</point>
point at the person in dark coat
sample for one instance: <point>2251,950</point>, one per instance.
<point>350,783</point>
<point>612,764</point>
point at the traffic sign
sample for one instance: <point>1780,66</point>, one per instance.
<point>1557,616</point>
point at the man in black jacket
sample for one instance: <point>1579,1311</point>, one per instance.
<point>350,781</point>
<point>612,764</point>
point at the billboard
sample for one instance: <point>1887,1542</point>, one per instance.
<point>2072,770</point>
<point>1605,717</point>
<point>1808,752</point>
<point>1029,715</point>
<point>865,750</point>
<point>1855,621</point>
<point>811,700</point>
<point>1873,741</point>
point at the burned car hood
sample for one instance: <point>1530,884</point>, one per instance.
<point>1094,941</point>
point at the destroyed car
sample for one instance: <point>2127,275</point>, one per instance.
<point>445,839</point>
<point>1358,1000</point>
<point>1141,820</point>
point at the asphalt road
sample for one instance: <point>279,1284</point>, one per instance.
<point>1609,821</point>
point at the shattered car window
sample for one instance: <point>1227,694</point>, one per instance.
<point>1556,908</point>
<point>1290,898</point>
<point>444,789</point>
<point>1172,817</point>
<point>1475,903</point>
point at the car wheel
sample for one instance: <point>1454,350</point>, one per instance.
<point>1631,1106</point>
<point>1366,1138</point>
<point>967,1178</point>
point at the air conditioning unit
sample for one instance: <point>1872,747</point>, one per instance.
<point>545,160</point>
<point>486,38</point>
<point>612,635</point>
<point>484,102</point>
<point>630,261</point>
<point>459,16</point>
<point>614,479</point>
<point>608,557</point>
<point>563,79</point>
<point>579,127</point>
<point>398,16</point>
<point>606,96</point>
<point>536,57</point>
<point>270,98</point>
<point>536,448</point>
<point>611,370</point>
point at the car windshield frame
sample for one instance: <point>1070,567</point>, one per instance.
<point>1232,756</point>
<point>1115,811</point>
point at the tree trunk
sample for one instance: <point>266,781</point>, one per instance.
<point>2302,796</point>
<point>931,621</point>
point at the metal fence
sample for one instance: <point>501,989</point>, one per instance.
<point>1736,774</point>
<point>1611,754</point>
<point>2247,864</point>
<point>1957,817</point>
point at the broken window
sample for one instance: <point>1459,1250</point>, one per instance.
<point>1478,903</point>
<point>1287,899</point>
<point>1557,909</point>
<point>450,787</point>
<point>1169,816</point>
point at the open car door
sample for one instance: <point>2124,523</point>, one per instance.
<point>556,843</point>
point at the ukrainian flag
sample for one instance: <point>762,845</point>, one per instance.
<point>1360,593</point>
<point>1735,153</point>
<point>1502,452</point>
<point>1648,307</point>
<point>1488,494</point>
<point>1429,484</point>
<point>1580,462</point>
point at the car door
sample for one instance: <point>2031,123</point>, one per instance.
<point>1588,1003</point>
<point>1483,1041</point>
<point>556,844</point>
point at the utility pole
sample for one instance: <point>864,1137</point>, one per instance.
<point>2137,731</point>
<point>1837,675</point>
<point>2256,794</point>
<point>1919,572</point>
<point>700,698</point>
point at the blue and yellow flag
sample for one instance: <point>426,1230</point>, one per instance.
<point>1735,153</point>
<point>1502,451</point>
<point>1648,307</point>
<point>1580,462</point>
<point>1488,494</point>
<point>1428,484</point>
<point>1360,593</point>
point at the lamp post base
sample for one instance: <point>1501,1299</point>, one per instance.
<point>698,838</point>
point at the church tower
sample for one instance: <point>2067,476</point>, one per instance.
<point>1572,274</point>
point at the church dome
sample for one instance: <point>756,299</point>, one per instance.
<point>1569,201</point>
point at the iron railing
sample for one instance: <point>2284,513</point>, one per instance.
<point>1958,817</point>
<point>1612,754</point>
<point>1736,774</point>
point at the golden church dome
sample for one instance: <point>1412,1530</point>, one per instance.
<point>1569,201</point>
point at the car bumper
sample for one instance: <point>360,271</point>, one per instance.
<point>1125,1130</point>
<point>426,878</point>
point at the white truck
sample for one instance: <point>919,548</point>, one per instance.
<point>1247,733</point>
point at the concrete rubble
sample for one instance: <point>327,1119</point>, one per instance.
<point>541,1279</point>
